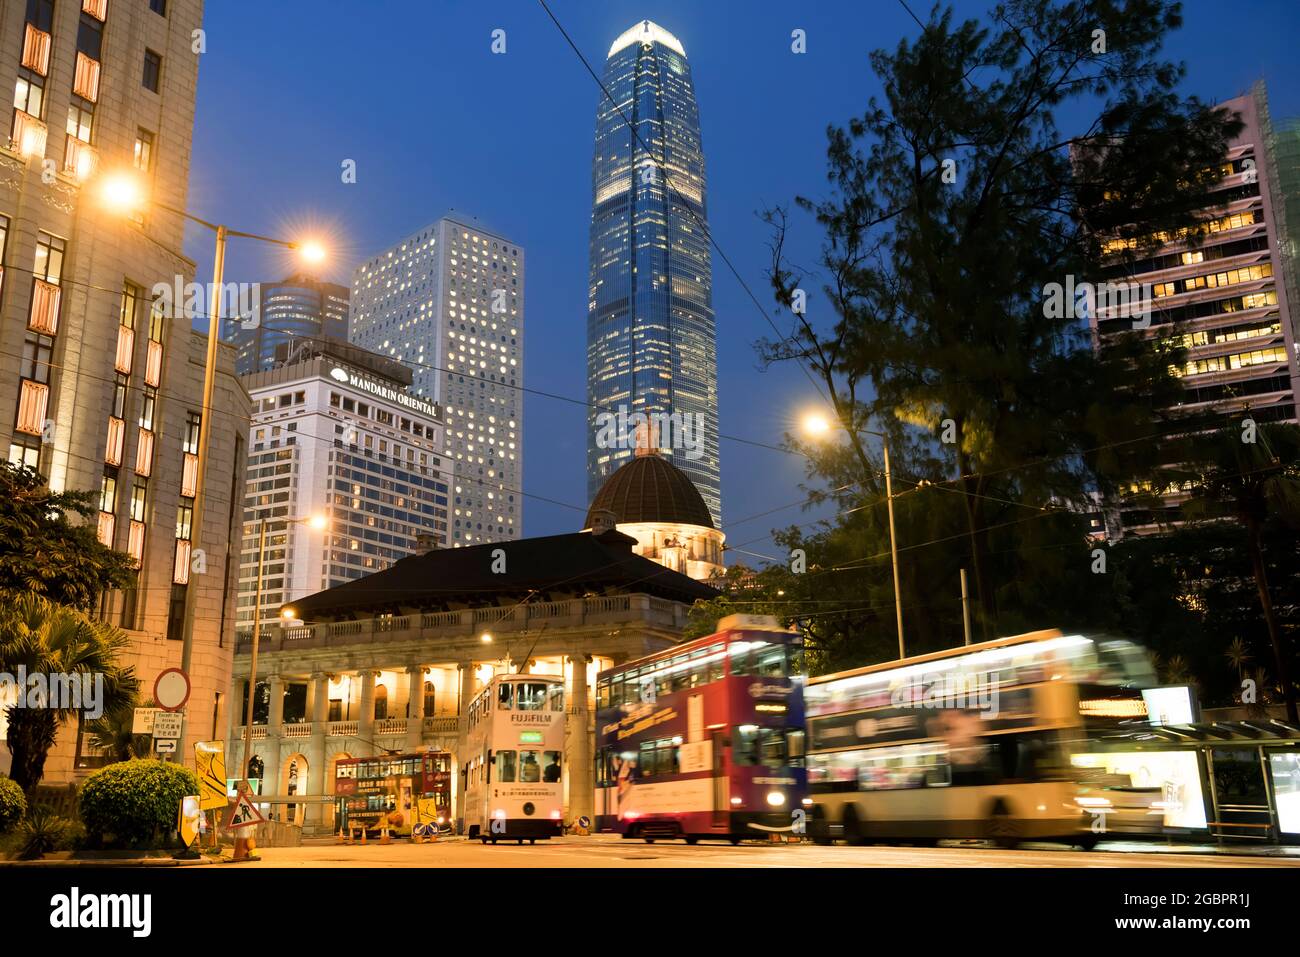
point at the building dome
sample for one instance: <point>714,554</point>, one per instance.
<point>650,489</point>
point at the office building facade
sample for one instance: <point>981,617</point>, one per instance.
<point>651,341</point>
<point>300,309</point>
<point>448,302</point>
<point>337,434</point>
<point>101,376</point>
<point>1226,300</point>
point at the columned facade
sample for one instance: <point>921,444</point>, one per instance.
<point>402,683</point>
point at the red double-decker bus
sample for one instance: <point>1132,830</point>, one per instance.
<point>370,791</point>
<point>705,739</point>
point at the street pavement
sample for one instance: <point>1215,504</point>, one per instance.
<point>609,851</point>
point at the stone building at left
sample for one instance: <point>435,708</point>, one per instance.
<point>101,374</point>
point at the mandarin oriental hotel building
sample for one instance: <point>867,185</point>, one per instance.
<point>338,434</point>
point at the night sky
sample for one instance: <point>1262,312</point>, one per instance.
<point>410,90</point>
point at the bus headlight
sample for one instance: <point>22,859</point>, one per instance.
<point>775,798</point>
<point>499,813</point>
<point>736,802</point>
<point>806,802</point>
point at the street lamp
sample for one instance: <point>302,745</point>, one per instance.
<point>817,426</point>
<point>122,192</point>
<point>317,522</point>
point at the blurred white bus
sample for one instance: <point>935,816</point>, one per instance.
<point>974,742</point>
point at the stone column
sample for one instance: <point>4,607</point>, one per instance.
<point>582,796</point>
<point>366,720</point>
<point>317,814</point>
<point>414,707</point>
<point>271,783</point>
<point>462,736</point>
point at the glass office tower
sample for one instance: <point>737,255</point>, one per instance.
<point>651,343</point>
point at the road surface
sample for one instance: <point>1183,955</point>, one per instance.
<point>609,851</point>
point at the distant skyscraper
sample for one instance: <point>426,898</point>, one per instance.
<point>449,302</point>
<point>651,344</point>
<point>299,309</point>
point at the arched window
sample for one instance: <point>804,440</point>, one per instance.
<point>428,698</point>
<point>381,702</point>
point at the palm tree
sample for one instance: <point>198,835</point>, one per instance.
<point>112,733</point>
<point>1258,483</point>
<point>46,638</point>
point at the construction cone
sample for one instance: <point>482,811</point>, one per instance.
<point>363,835</point>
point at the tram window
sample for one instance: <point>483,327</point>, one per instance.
<point>555,696</point>
<point>645,763</point>
<point>530,770</point>
<point>551,767</point>
<point>663,680</point>
<point>715,663</point>
<point>531,696</point>
<point>681,674</point>
<point>505,766</point>
<point>505,693</point>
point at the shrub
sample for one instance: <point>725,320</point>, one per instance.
<point>41,832</point>
<point>134,804</point>
<point>13,804</point>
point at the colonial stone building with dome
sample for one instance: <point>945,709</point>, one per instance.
<point>653,501</point>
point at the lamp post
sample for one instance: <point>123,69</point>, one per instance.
<point>816,425</point>
<point>318,522</point>
<point>123,193</point>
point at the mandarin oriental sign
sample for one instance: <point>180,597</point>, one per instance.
<point>400,396</point>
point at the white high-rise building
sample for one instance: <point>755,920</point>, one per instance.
<point>448,302</point>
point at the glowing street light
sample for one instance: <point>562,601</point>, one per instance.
<point>486,638</point>
<point>816,426</point>
<point>122,193</point>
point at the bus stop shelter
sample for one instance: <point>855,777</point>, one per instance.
<point>1237,780</point>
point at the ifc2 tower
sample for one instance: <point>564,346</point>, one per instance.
<point>651,340</point>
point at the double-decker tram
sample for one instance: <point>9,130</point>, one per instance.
<point>372,793</point>
<point>974,742</point>
<point>513,762</point>
<point>704,739</point>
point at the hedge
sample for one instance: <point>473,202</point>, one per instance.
<point>134,804</point>
<point>13,804</point>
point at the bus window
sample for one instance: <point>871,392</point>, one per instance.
<point>531,696</point>
<point>505,692</point>
<point>796,743</point>
<point>530,771</point>
<point>555,696</point>
<point>505,766</point>
<point>602,696</point>
<point>551,767</point>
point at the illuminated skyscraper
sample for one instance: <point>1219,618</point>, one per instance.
<point>651,344</point>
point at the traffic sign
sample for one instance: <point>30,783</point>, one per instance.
<point>243,812</point>
<point>166,746</point>
<point>171,689</point>
<point>210,762</point>
<point>142,720</point>
<point>167,725</point>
